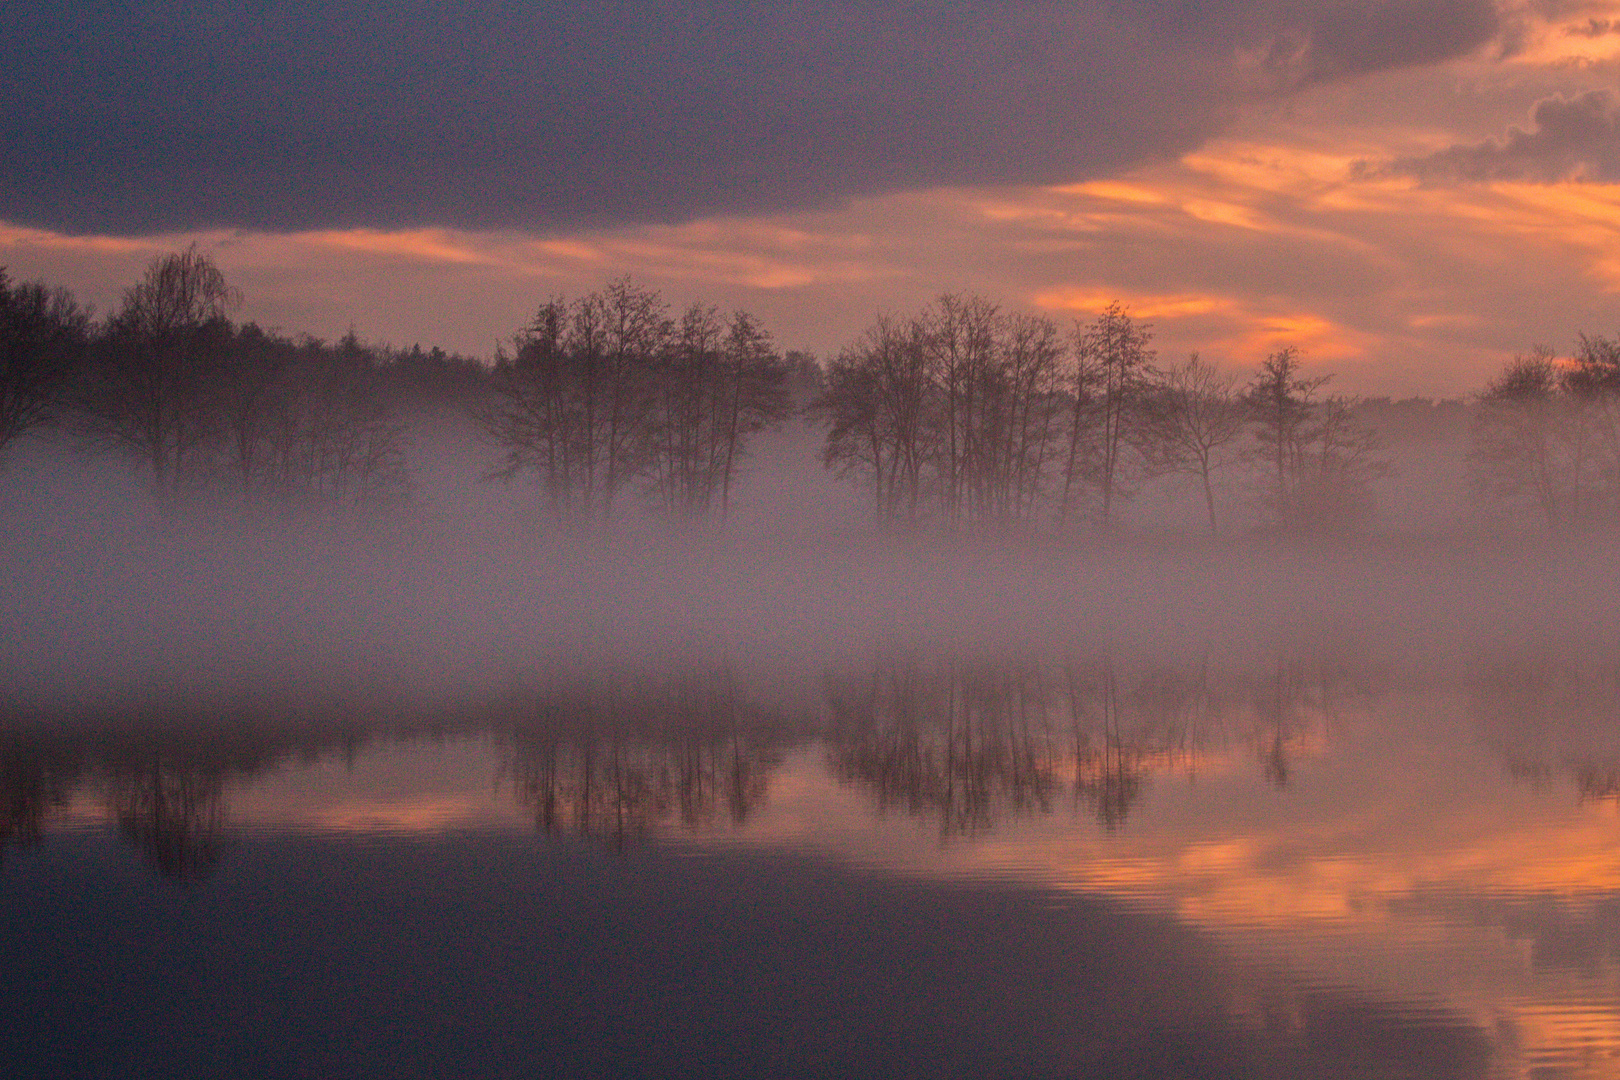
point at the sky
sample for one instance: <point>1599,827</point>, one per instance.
<point>1410,191</point>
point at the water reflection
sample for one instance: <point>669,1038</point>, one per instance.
<point>1351,873</point>
<point>1552,718</point>
<point>35,782</point>
<point>968,742</point>
<point>161,776</point>
<point>172,812</point>
<point>962,741</point>
<point>601,759</point>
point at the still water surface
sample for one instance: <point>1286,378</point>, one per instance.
<point>1301,863</point>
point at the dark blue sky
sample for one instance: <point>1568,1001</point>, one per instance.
<point>130,118</point>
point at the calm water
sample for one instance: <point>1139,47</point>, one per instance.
<point>1300,863</point>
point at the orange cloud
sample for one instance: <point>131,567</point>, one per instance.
<point>1113,190</point>
<point>1228,325</point>
<point>426,245</point>
<point>1142,306</point>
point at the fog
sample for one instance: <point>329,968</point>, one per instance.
<point>467,590</point>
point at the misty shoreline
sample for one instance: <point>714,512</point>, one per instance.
<point>107,598</point>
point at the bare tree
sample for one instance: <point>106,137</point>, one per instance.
<point>957,410</point>
<point>636,329</point>
<point>1320,458</point>
<point>1029,390</point>
<point>753,396</point>
<point>1112,376</point>
<point>1282,404</point>
<point>683,437</point>
<point>1591,383</point>
<point>607,392</point>
<point>1196,416</point>
<point>1342,458</point>
<point>718,385</point>
<point>959,333</point>
<point>43,336</point>
<point>156,376</point>
<point>857,442</point>
<point>1514,446</point>
<point>573,402</point>
<point>539,417</point>
<point>1080,460</point>
<point>299,423</point>
<point>880,402</point>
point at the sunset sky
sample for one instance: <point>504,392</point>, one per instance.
<point>1411,191</point>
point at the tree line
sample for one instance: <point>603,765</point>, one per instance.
<point>963,414</point>
<point>201,404</point>
<point>967,413</point>
<point>609,392</point>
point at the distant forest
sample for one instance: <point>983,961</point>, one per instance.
<point>961,415</point>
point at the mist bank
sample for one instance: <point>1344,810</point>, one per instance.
<point>466,593</point>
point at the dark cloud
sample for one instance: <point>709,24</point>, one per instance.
<point>129,117</point>
<point>1569,138</point>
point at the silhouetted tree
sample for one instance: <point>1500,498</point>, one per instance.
<point>1515,447</point>
<point>1320,458</point>
<point>856,441</point>
<point>1342,458</point>
<point>43,338</point>
<point>752,395</point>
<point>955,411</point>
<point>716,386</point>
<point>1282,405</point>
<point>572,402</point>
<point>879,406</point>
<point>607,391</point>
<point>687,446</point>
<point>1022,439</point>
<point>805,378</point>
<point>959,333</point>
<point>301,423</point>
<point>1111,383</point>
<point>1013,392</point>
<point>432,382</point>
<point>155,380</point>
<point>1591,382</point>
<point>338,440</point>
<point>1194,416</point>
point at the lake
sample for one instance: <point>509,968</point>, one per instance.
<point>1311,858</point>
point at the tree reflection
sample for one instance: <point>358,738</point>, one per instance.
<point>963,743</point>
<point>968,743</point>
<point>959,741</point>
<point>616,762</point>
<point>1280,704</point>
<point>1113,753</point>
<point>174,812</point>
<point>1550,718</point>
<point>1598,782</point>
<point>159,774</point>
<point>36,780</point>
